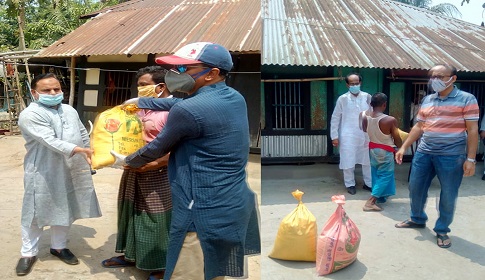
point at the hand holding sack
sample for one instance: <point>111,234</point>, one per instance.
<point>133,102</point>
<point>297,234</point>
<point>119,160</point>
<point>339,241</point>
<point>117,129</point>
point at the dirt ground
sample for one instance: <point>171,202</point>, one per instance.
<point>91,240</point>
<point>385,252</point>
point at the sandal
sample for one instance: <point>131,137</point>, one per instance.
<point>409,224</point>
<point>118,261</point>
<point>443,238</point>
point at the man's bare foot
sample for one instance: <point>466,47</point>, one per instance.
<point>370,205</point>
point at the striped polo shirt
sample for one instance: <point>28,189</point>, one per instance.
<point>443,122</point>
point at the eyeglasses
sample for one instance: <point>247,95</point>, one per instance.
<point>438,77</point>
<point>179,69</point>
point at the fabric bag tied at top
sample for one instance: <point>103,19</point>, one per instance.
<point>339,241</point>
<point>297,234</point>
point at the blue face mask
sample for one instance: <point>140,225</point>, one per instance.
<point>354,89</point>
<point>439,85</point>
<point>50,100</point>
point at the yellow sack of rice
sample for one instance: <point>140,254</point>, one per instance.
<point>297,235</point>
<point>403,134</point>
<point>118,129</point>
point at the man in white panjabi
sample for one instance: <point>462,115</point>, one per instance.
<point>414,113</point>
<point>415,106</point>
<point>353,143</point>
<point>58,185</point>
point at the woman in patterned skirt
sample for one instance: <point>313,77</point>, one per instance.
<point>144,198</point>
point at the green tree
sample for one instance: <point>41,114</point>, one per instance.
<point>51,24</point>
<point>8,31</point>
<point>41,22</point>
<point>444,8</point>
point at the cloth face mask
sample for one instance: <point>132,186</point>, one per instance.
<point>182,82</point>
<point>354,89</point>
<point>147,91</point>
<point>50,100</point>
<point>439,85</point>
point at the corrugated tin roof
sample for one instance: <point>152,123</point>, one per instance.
<point>162,27</point>
<point>367,33</point>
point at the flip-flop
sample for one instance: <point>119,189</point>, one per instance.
<point>120,262</point>
<point>443,238</point>
<point>409,224</point>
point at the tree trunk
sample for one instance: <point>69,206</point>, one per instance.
<point>21,20</point>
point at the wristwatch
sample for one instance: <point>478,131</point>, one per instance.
<point>472,160</point>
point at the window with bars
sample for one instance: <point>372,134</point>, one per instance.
<point>420,90</point>
<point>288,101</point>
<point>477,89</point>
<point>118,87</point>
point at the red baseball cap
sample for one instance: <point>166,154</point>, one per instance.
<point>200,52</point>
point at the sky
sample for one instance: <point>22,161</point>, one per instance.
<point>470,12</point>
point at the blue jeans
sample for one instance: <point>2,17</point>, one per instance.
<point>449,170</point>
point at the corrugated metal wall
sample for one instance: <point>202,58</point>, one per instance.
<point>294,146</point>
<point>367,33</point>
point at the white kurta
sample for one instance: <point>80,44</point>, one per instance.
<point>58,188</point>
<point>344,125</point>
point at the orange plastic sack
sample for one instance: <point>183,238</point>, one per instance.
<point>118,129</point>
<point>338,244</point>
<point>297,235</point>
